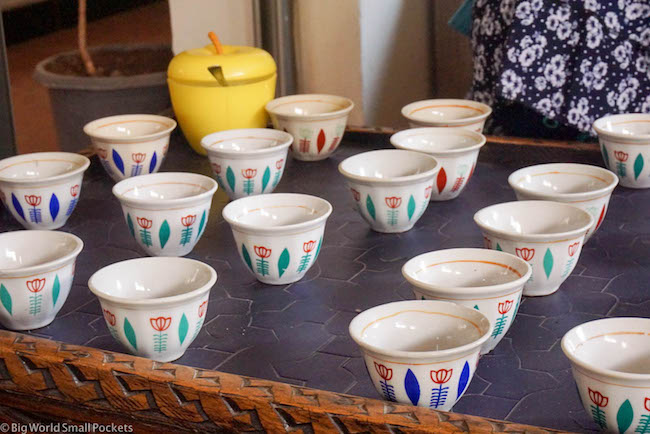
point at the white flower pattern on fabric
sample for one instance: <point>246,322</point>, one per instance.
<point>570,61</point>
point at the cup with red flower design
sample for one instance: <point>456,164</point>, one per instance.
<point>609,359</point>
<point>130,145</point>
<point>278,235</point>
<point>486,280</point>
<point>625,147</point>
<point>41,190</point>
<point>587,187</point>
<point>421,352</point>
<point>455,149</point>
<point>455,113</point>
<point>390,187</point>
<point>548,235</point>
<point>166,213</point>
<point>154,307</point>
<point>247,162</point>
<point>316,122</point>
<point>36,273</point>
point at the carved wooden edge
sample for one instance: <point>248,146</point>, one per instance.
<point>502,140</point>
<point>60,381</point>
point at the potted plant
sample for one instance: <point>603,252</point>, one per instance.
<point>114,79</point>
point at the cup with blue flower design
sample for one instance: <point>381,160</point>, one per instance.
<point>41,190</point>
<point>130,145</point>
<point>421,352</point>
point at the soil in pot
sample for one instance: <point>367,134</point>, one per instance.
<point>115,63</point>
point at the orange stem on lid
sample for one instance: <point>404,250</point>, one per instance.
<point>215,41</point>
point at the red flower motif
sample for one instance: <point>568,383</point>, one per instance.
<point>393,202</point>
<point>202,308</point>
<point>309,246</point>
<point>161,323</point>
<point>573,248</point>
<point>144,223</point>
<point>262,252</point>
<point>278,164</point>
<point>355,194</point>
<point>525,253</point>
<point>103,153</point>
<point>441,376</point>
<point>36,285</point>
<point>621,156</point>
<point>216,168</point>
<point>427,191</point>
<point>138,157</point>
<point>110,318</point>
<point>597,398</point>
<point>165,149</point>
<point>487,242</point>
<point>384,372</point>
<point>505,307</point>
<point>249,173</point>
<point>188,220</point>
<point>646,404</point>
<point>74,190</point>
<point>33,200</point>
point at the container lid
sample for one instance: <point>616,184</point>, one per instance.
<point>239,65</point>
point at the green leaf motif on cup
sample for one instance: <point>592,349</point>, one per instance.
<point>201,225</point>
<point>605,155</point>
<point>183,327</point>
<point>320,243</point>
<point>56,289</point>
<point>5,298</point>
<point>548,263</point>
<point>130,333</point>
<point>625,416</point>
<point>247,257</point>
<point>230,177</point>
<point>499,248</point>
<point>266,178</point>
<point>164,234</point>
<point>411,207</point>
<point>283,262</point>
<point>638,166</point>
<point>370,206</point>
<point>129,222</point>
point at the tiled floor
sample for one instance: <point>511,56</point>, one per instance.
<point>298,334</point>
<point>32,117</point>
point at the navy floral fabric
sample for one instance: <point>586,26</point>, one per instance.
<point>560,64</point>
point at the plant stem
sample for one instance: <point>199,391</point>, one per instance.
<point>83,47</point>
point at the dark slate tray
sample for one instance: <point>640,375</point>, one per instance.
<point>298,333</point>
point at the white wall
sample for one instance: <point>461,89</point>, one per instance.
<point>328,50</point>
<point>191,20</point>
<point>395,57</point>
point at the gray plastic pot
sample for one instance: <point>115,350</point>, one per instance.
<point>75,101</point>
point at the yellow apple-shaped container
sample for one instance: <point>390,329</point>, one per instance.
<point>212,92</point>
